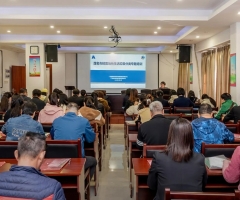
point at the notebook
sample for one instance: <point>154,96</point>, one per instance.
<point>215,162</point>
<point>54,164</point>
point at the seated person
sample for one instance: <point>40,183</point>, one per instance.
<point>63,102</point>
<point>178,167</point>
<point>24,180</point>
<point>181,101</point>
<point>234,114</point>
<point>103,101</point>
<point>83,95</point>
<point>36,99</point>
<point>155,131</point>
<point>90,112</point>
<point>133,110</point>
<point>16,108</point>
<point>76,98</point>
<point>209,130</point>
<point>173,96</point>
<point>23,93</point>
<point>126,97</point>
<point>149,96</point>
<point>144,114</point>
<point>51,111</point>
<point>226,106</point>
<point>44,93</point>
<point>231,169</point>
<point>6,101</point>
<point>15,127</point>
<point>192,97</point>
<point>159,97</point>
<point>206,100</point>
<point>99,106</point>
<point>132,98</point>
<point>73,127</point>
<point>163,85</point>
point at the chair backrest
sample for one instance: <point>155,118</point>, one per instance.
<point>194,116</point>
<point>64,149</point>
<point>146,91</point>
<point>209,150</point>
<point>47,127</point>
<point>167,110</point>
<point>7,149</point>
<point>123,91</point>
<point>234,128</point>
<point>149,150</point>
<point>173,116</point>
<point>201,195</point>
<point>188,110</point>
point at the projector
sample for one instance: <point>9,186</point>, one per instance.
<point>115,36</point>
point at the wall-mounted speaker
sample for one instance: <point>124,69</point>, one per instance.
<point>52,53</point>
<point>184,54</point>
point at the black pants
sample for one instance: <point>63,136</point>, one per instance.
<point>91,163</point>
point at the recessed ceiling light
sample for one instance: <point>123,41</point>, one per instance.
<point>51,26</point>
<point>239,12</point>
<point>170,51</point>
<point>105,27</point>
<point>58,31</point>
<point>179,0</point>
<point>197,36</point>
<point>155,32</point>
<point>112,53</point>
<point>8,31</point>
<point>158,27</point>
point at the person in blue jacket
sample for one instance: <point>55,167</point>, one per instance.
<point>209,130</point>
<point>72,127</point>
<point>24,180</point>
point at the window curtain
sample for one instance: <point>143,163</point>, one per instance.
<point>208,73</point>
<point>184,76</point>
<point>222,73</point>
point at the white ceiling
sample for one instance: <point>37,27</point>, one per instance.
<point>81,23</point>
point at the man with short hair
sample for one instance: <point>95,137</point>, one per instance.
<point>23,93</point>
<point>15,127</point>
<point>159,97</point>
<point>154,131</point>
<point>163,85</point>
<point>36,93</point>
<point>73,127</point>
<point>24,180</point>
<point>76,98</point>
<point>209,130</point>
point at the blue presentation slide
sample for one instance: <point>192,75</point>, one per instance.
<point>118,71</point>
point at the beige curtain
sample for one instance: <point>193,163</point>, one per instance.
<point>222,73</point>
<point>208,73</point>
<point>184,76</point>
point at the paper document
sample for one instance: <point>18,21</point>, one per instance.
<point>215,162</point>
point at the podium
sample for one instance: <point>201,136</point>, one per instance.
<point>69,89</point>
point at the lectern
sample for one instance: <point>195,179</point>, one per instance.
<point>69,89</point>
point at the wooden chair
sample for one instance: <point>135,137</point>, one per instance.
<point>173,116</point>
<point>196,107</point>
<point>183,110</point>
<point>201,195</point>
<point>209,150</point>
<point>149,150</point>
<point>167,110</point>
<point>234,128</point>
<point>47,127</point>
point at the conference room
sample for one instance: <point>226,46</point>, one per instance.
<point>124,56</point>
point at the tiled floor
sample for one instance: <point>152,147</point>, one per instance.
<point>114,177</point>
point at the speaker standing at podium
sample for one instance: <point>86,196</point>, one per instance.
<point>162,85</point>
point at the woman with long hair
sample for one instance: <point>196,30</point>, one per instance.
<point>144,114</point>
<point>97,104</point>
<point>63,101</point>
<point>178,167</point>
<point>51,111</point>
<point>132,98</point>
<point>90,112</point>
<point>6,101</point>
<point>16,107</point>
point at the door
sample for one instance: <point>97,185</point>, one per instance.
<point>18,77</point>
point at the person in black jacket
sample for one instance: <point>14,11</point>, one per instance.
<point>234,114</point>
<point>76,98</point>
<point>159,97</point>
<point>178,167</point>
<point>126,97</point>
<point>154,131</point>
<point>36,99</point>
<point>182,101</point>
<point>24,180</point>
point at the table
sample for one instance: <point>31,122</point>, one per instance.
<point>141,191</point>
<point>237,138</point>
<point>132,153</point>
<point>129,127</point>
<point>71,176</point>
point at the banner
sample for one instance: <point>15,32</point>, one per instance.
<point>34,66</point>
<point>191,73</point>
<point>233,70</point>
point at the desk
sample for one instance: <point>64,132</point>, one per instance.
<point>141,191</point>
<point>71,176</point>
<point>237,138</point>
<point>132,153</point>
<point>129,127</point>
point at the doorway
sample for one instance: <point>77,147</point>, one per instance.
<point>48,78</point>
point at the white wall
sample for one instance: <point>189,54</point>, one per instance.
<point>168,70</point>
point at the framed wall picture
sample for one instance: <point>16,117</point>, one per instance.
<point>34,50</point>
<point>34,66</point>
